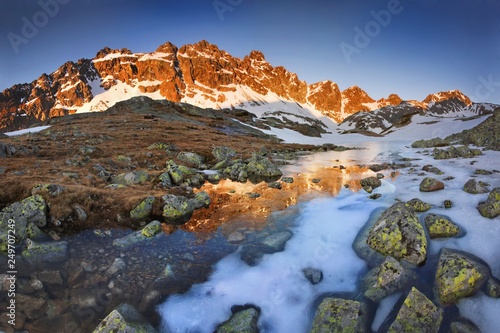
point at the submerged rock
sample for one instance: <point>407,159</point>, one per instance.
<point>399,234</point>
<point>439,226</point>
<point>436,142</point>
<point>464,327</point>
<point>340,315</point>
<point>491,207</point>
<point>386,279</point>
<point>430,184</point>
<point>150,230</point>
<point>40,253</point>
<point>474,187</point>
<point>125,318</point>
<point>458,275</point>
<point>417,314</point>
<point>244,321</point>
<point>418,205</point>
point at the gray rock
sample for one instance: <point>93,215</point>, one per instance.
<point>491,207</point>
<point>192,159</point>
<point>439,226</point>
<point>259,166</point>
<point>223,153</point>
<point>288,180</point>
<point>39,253</point>
<point>80,213</point>
<point>116,267</point>
<point>464,327</point>
<point>437,142</point>
<point>493,288</point>
<point>143,210</point>
<point>458,275</point>
<point>275,242</point>
<point>275,185</point>
<point>386,279</point>
<point>418,205</point>
<point>372,182</point>
<point>131,178</point>
<point>201,199</point>
<point>474,187</point>
<point>49,277</point>
<point>314,276</point>
<point>244,321</point>
<point>165,179</point>
<point>447,204</point>
<point>335,315</point>
<point>125,318</point>
<point>430,184</point>
<point>150,230</point>
<point>417,314</point>
<point>455,152</point>
<point>51,189</point>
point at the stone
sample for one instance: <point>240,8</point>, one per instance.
<point>439,226</point>
<point>150,230</point>
<point>288,180</point>
<point>50,189</point>
<point>474,187</point>
<point>131,178</point>
<point>275,242</point>
<point>275,185</point>
<point>491,207</point>
<point>464,327</point>
<point>223,153</point>
<point>418,205</point>
<point>398,233</point>
<point>386,279</point>
<point>39,253</point>
<point>235,237</point>
<point>493,288</point>
<point>116,267</point>
<point>432,169</point>
<point>417,314</point>
<point>447,204</point>
<point>143,210</point>
<point>259,166</point>
<point>192,159</point>
<point>177,209</point>
<point>201,199</point>
<point>49,277</point>
<point>458,275</point>
<point>314,276</point>
<point>455,152</point>
<point>436,142</point>
<point>336,315</point>
<point>165,179</point>
<point>80,213</point>
<point>375,196</point>
<point>430,184</point>
<point>372,182</point>
<point>244,321</point>
<point>125,318</point>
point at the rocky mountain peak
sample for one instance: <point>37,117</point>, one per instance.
<point>256,55</point>
<point>448,95</point>
<point>167,48</point>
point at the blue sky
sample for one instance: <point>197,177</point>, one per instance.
<point>408,47</point>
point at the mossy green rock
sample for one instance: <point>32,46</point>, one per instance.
<point>418,205</point>
<point>386,279</point>
<point>474,187</point>
<point>244,321</point>
<point>458,275</point>
<point>436,142</point>
<point>340,315</point>
<point>430,184</point>
<point>493,288</point>
<point>152,229</point>
<point>192,159</point>
<point>439,226</point>
<point>262,167</point>
<point>223,153</point>
<point>491,207</point>
<point>177,209</point>
<point>124,319</point>
<point>143,210</point>
<point>201,199</point>
<point>455,152</point>
<point>131,178</point>
<point>417,314</point>
<point>398,233</point>
<point>51,189</point>
<point>47,252</point>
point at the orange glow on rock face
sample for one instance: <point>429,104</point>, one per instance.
<point>245,205</point>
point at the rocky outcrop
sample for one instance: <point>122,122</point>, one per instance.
<point>491,207</point>
<point>241,321</point>
<point>398,233</point>
<point>458,275</point>
<point>455,152</point>
<point>336,315</point>
<point>417,314</point>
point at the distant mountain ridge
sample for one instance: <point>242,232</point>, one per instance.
<point>200,74</point>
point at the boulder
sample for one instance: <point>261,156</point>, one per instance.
<point>474,187</point>
<point>223,153</point>
<point>131,178</point>
<point>125,318</point>
<point>165,179</point>
<point>386,279</point>
<point>455,152</point>
<point>40,253</point>
<point>398,233</point>
<point>150,230</point>
<point>244,321</point>
<point>116,267</point>
<point>340,315</point>
<point>259,166</point>
<point>143,210</point>
<point>417,314</point>
<point>439,226</point>
<point>314,276</point>
<point>275,242</point>
<point>418,205</point>
<point>178,209</point>
<point>51,189</point>
<point>491,207</point>
<point>201,199</point>
<point>370,182</point>
<point>192,159</point>
<point>458,275</point>
<point>430,184</point>
<point>493,288</point>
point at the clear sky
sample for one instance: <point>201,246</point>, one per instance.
<point>408,47</point>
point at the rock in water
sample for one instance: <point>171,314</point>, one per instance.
<point>244,321</point>
<point>491,207</point>
<point>418,205</point>
<point>474,187</point>
<point>439,226</point>
<point>417,314</point>
<point>430,184</point>
<point>143,210</point>
<point>458,275</point>
<point>126,319</point>
<point>398,233</point>
<point>340,315</point>
<point>370,182</point>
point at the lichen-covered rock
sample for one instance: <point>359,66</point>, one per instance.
<point>182,175</point>
<point>436,142</point>
<point>177,209</point>
<point>430,184</point>
<point>165,179</point>
<point>464,327</point>
<point>455,152</point>
<point>192,159</point>
<point>447,204</point>
<point>398,233</point>
<point>491,207</point>
<point>458,275</point>
<point>288,180</point>
<point>201,199</point>
<point>314,276</point>
<point>223,153</point>
<point>386,279</point>
<point>51,189</point>
<point>244,321</point>
<point>493,288</point>
<point>143,210</point>
<point>370,182</point>
<point>131,178</point>
<point>418,205</point>
<point>150,230</point>
<point>40,253</point>
<point>124,319</point>
<point>340,315</point>
<point>260,166</point>
<point>417,314</point>
<point>439,226</point>
<point>474,187</point>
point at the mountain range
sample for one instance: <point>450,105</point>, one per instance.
<point>203,75</point>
